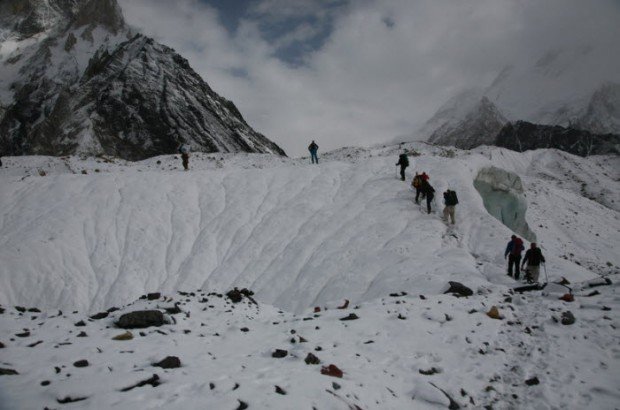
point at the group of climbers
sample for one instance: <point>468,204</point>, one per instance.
<point>425,190</point>
<point>533,258</point>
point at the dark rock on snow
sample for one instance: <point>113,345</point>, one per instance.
<point>458,289</point>
<point>312,359</point>
<point>351,316</point>
<point>141,319</point>
<point>533,381</point>
<point>152,381</point>
<point>280,390</point>
<point>7,372</point>
<point>567,318</point>
<point>69,399</point>
<point>153,296</point>
<point>170,362</point>
<point>81,363</point>
<point>100,315</point>
<point>279,353</point>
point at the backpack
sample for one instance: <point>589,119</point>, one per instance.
<point>404,160</point>
<point>417,181</point>
<point>451,198</point>
<point>517,247</point>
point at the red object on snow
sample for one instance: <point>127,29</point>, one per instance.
<point>568,297</point>
<point>332,371</point>
<point>346,304</point>
<point>317,309</point>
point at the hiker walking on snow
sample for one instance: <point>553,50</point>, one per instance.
<point>513,251</point>
<point>184,150</point>
<point>403,161</point>
<point>429,192</point>
<point>313,148</point>
<point>450,200</point>
<point>533,257</point>
<point>416,183</point>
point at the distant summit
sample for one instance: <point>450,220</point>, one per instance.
<point>568,88</point>
<point>77,80</point>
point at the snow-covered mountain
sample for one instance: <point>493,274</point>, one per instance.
<point>465,121</point>
<point>90,236</point>
<point>78,80</point>
<point>570,88</point>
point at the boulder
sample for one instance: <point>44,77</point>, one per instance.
<point>279,353</point>
<point>312,359</point>
<point>141,319</point>
<point>332,370</point>
<point>170,362</point>
<point>567,318</point>
<point>81,363</point>
<point>458,289</point>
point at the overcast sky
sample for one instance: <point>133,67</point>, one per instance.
<point>360,72</point>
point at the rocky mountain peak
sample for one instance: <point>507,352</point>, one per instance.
<point>89,87</point>
<point>106,13</point>
<point>27,18</point>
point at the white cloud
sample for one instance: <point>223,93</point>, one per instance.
<point>386,66</point>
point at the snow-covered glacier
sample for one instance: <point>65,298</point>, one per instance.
<point>298,235</point>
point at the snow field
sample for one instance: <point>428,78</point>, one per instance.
<point>296,234</point>
<point>302,236</point>
<point>401,352</point>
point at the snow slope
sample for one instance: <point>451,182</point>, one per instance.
<point>296,234</point>
<point>83,235</point>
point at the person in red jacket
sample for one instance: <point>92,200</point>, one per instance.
<point>513,251</point>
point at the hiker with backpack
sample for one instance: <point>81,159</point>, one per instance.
<point>534,258</point>
<point>429,193</point>
<point>184,150</point>
<point>513,252</point>
<point>403,161</point>
<point>450,200</point>
<point>416,183</point>
<point>313,148</point>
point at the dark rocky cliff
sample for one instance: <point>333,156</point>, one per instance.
<point>522,136</point>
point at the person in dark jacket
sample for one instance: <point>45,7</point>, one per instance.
<point>429,192</point>
<point>184,150</point>
<point>534,258</point>
<point>450,200</point>
<point>513,252</point>
<point>313,148</point>
<point>403,161</point>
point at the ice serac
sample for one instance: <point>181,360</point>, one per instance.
<point>502,195</point>
<point>79,81</point>
<point>522,136</point>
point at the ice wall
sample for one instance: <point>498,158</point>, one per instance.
<point>502,194</point>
